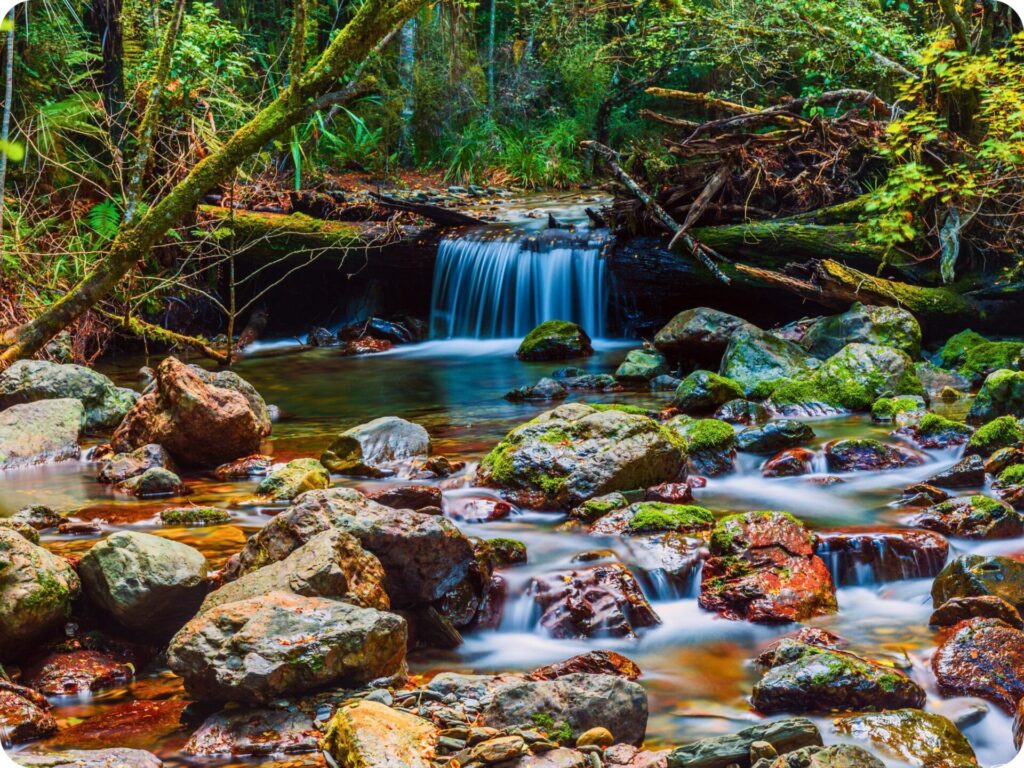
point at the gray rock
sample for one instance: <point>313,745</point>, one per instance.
<point>33,433</point>
<point>255,733</point>
<point>152,483</point>
<point>122,466</point>
<point>700,333</point>
<point>721,751</point>
<point>836,756</point>
<point>372,449</point>
<point>756,357</point>
<point>294,478</point>
<point>641,365</point>
<point>774,436</point>
<point>545,389</point>
<point>885,326</point>
<point>90,758</point>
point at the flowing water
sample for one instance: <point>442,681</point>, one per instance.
<point>697,666</point>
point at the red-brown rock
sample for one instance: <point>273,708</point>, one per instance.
<point>24,715</point>
<point>255,733</point>
<point>417,497</point>
<point>958,609</point>
<point>984,658</point>
<point>591,663</point>
<point>74,672</point>
<point>857,455</point>
<point>670,493</point>
<point>255,465</point>
<point>789,463</point>
<point>881,554</point>
<point>134,724</point>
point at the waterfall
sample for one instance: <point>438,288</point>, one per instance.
<point>495,282</point>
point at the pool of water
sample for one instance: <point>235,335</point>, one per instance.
<point>697,666</point>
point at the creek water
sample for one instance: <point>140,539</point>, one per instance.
<point>697,668</point>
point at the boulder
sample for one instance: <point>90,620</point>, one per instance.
<point>836,756</point>
<point>913,737</point>
<point>710,444</point>
<point>992,436</point>
<point>953,353</point>
<point>744,412</point>
<point>370,734</point>
<point>958,609</point>
<point>700,333</point>
<point>859,374</point>
<point>148,583</point>
<point>24,715</point>
<point>103,403</point>
<point>789,463</point>
<point>934,431</point>
<point>806,678</point>
<point>37,516</point>
<point>415,497</point>
<point>980,575</point>
<point>763,568</point>
<point>641,365</point>
<point>69,673</point>
<point>423,555</point>
<point>555,340</point>
<point>863,454</point>
<point>774,436</point>
<point>255,733</point>
<point>575,452</point>
<point>581,701</point>
<point>704,391</point>
<point>972,517</point>
<point>969,472</point>
<point>1001,394</point>
<point>984,658</point>
<point>332,564</point>
<point>882,555</point>
<point>591,663</point>
<point>33,433</point>
<point>295,477</point>
<point>91,758</point>
<point>755,358</point>
<point>722,751</point>
<point>922,495</point>
<point>122,466</point>
<point>670,493</point>
<point>276,644</point>
<point>36,592</point>
<point>154,483</point>
<point>545,389</point>
<point>600,601</point>
<point>906,409</point>
<point>373,449</point>
<point>985,358</point>
<point>255,465</point>
<point>882,326</point>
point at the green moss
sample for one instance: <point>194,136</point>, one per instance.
<point>1012,475</point>
<point>653,516</point>
<point>763,389</point>
<point>984,358</point>
<point>505,551</point>
<point>887,408</point>
<point>710,436</point>
<point>633,409</point>
<point>932,424</point>
<point>563,734</point>
<point>705,391</point>
<point>555,437</point>
<point>51,592</point>
<point>543,720</point>
<point>195,516</point>
<point>553,340</point>
<point>955,349</point>
<point>998,433</point>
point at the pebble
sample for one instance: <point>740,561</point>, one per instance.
<point>596,737</point>
<point>382,696</point>
<point>762,749</point>
<point>499,750</point>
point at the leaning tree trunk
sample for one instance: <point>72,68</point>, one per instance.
<point>5,124</point>
<point>303,96</point>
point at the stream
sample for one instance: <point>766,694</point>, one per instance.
<point>490,287</point>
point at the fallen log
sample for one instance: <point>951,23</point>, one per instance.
<point>436,213</point>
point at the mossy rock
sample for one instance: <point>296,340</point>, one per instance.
<point>972,517</point>
<point>657,517</point>
<point>978,576</point>
<point>1002,394</point>
<point>1002,432</point>
<point>934,426</point>
<point>888,408</point>
<point>555,340</point>
<point>954,351</point>
<point>592,509</point>
<point>982,359</point>
<point>504,552</point>
<point>880,325</point>
<point>918,738</point>
<point>707,435</point>
<point>195,516</point>
<point>295,477</point>
<point>704,391</point>
<point>1013,475</point>
<point>641,365</point>
<point>755,357</point>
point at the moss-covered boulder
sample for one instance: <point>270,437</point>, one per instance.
<point>755,358</point>
<point>865,454</point>
<point>984,658</point>
<point>1002,432</point>
<point>370,734</point>
<point>376,448</point>
<point>555,340</point>
<point>980,575</point>
<point>195,515</point>
<point>954,351</point>
<point>763,568</point>
<point>935,431</point>
<point>504,552</point>
<point>774,436</point>
<point>890,408</point>
<point>36,592</point>
<point>704,391</point>
<point>911,736</point>
<point>654,517</point>
<point>641,365</point>
<point>104,404</point>
<point>1002,394</point>
<point>154,483</point>
<point>38,432</point>
<point>746,412</point>
<point>882,326</point>
<point>806,678</point>
<point>711,444</point>
<point>980,360</point>
<point>576,452</point>
<point>599,506</point>
<point>295,477</point>
<point>700,334</point>
<point>972,517</point>
<point>859,374</point>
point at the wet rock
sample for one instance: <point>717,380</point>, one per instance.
<point>24,715</point>
<point>912,736</point>
<point>1004,432</point>
<point>24,529</point>
<point>903,410</point>
<point>597,382</point>
<point>670,493</point>
<point>774,436</point>
<point>883,326</point>
<point>75,672</point>
<point>941,384</point>
<point>146,582</point>
<point>153,483</point>
<point>321,337</point>
<point>704,391</point>
<point>641,365</point>
<point>969,472</point>
<point>255,465</point>
<point>600,601</point>
<point>745,412</point>
<point>859,455</point>
<point>979,575</point>
<point>590,663</point>
<point>700,333</point>
<point>985,658</point>
<point>332,564</point>
<point>415,497</point>
<point>721,751</point>
<point>91,758</point>
<point>1003,459</point>
<point>599,506</point>
<point>80,528</point>
<point>836,756</point>
<point>581,701</point>
<point>972,517</point>
<point>373,449</point>
<point>805,678</point>
<point>953,353</point>
<point>130,724</point>
<point>958,609</point>
<point>36,591</point>
<point>575,452</point>
<point>203,419</point>
<point>295,477</point>
<point>195,516</point>
<point>763,568</point>
<point>545,389</point>
<point>255,733</point>
<point>371,734</point>
<point>376,328</point>
<point>987,357</point>
<point>365,346</point>
<point>881,555</point>
<point>923,495</point>
<point>654,517</point>
<point>478,510</point>
<point>438,466</point>
<point>1002,394</point>
<point>555,340</point>
<point>665,383</point>
<point>934,431</point>
<point>423,555</point>
<point>711,444</point>
<point>103,403</point>
<point>789,463</point>
<point>506,552</point>
<point>37,516</point>
<point>122,466</point>
<point>755,358</point>
<point>667,560</point>
<point>34,433</point>
<point>276,644</point>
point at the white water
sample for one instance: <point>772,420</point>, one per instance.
<point>500,283</point>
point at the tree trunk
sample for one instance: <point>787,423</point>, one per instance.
<point>490,57</point>
<point>106,17</point>
<point>135,23</point>
<point>407,61</point>
<point>5,124</point>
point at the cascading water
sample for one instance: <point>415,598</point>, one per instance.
<point>495,282</point>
